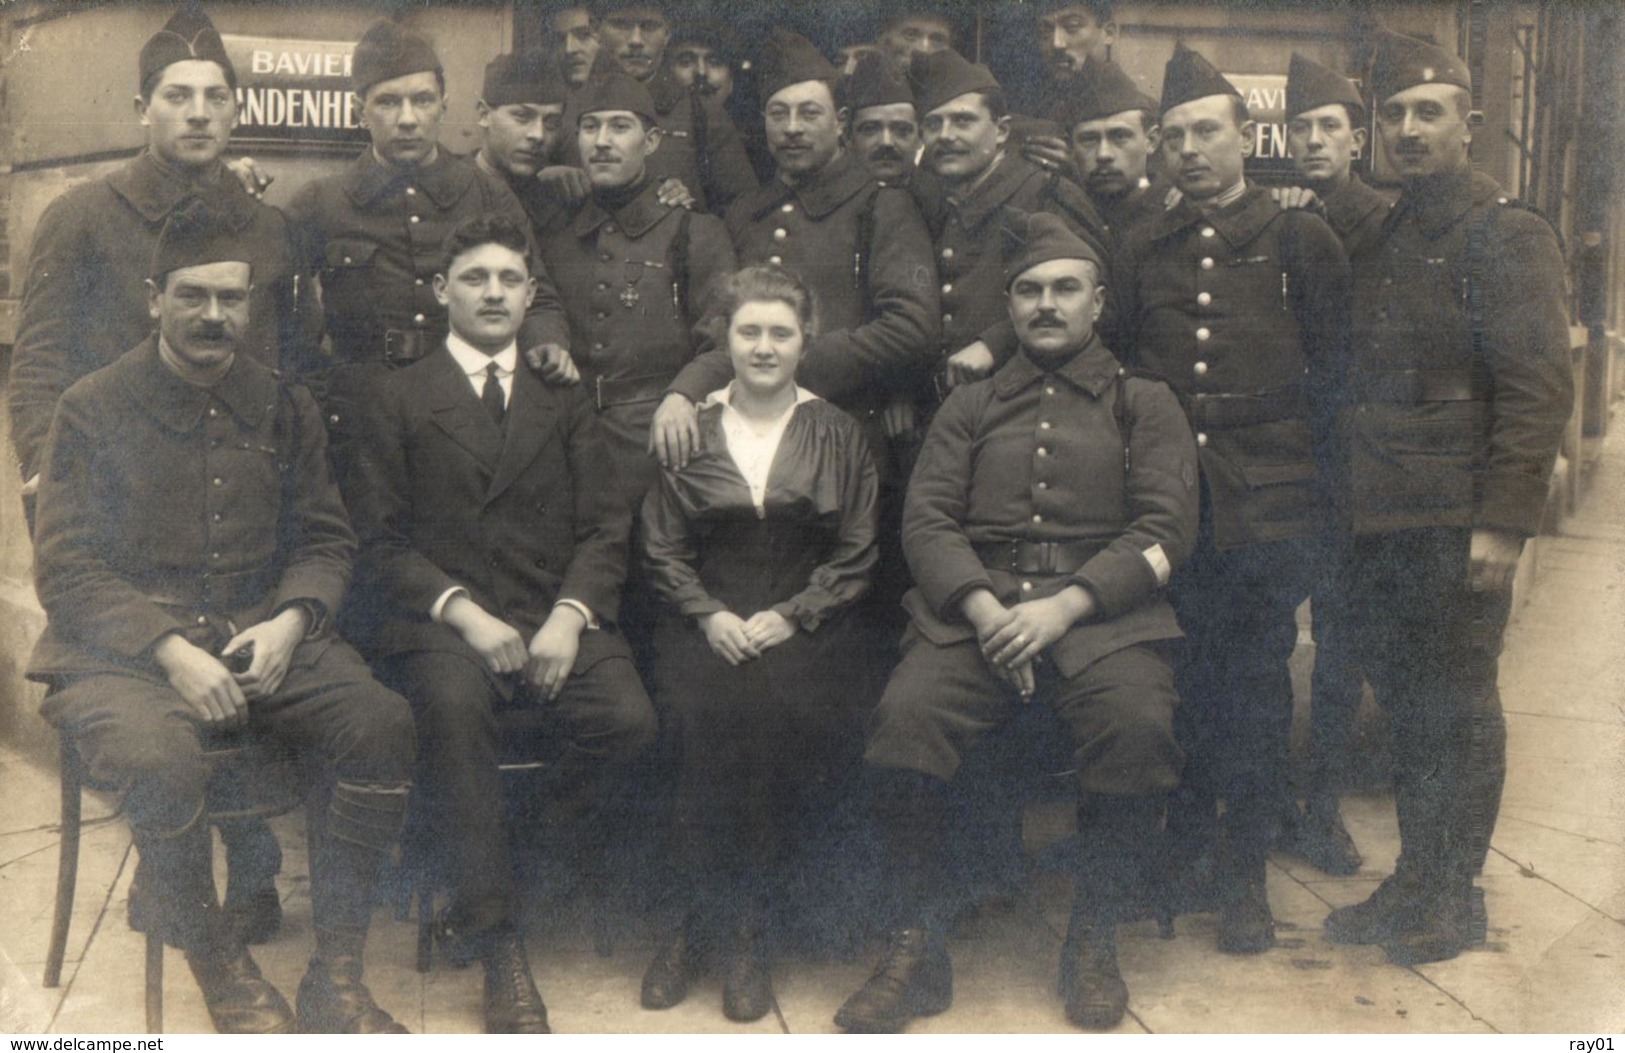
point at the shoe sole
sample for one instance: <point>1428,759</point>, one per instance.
<point>891,1025</point>
<point>1411,954</point>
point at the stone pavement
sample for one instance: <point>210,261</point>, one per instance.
<point>1555,885</point>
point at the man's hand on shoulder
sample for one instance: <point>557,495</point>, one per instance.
<point>254,179</point>
<point>674,435</point>
<point>553,364</point>
<point>1296,197</point>
<point>970,363</point>
<point>674,194</point>
<point>202,681</point>
<point>567,182</point>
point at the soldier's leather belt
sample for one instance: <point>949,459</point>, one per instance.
<point>1416,385</point>
<point>1036,557</point>
<point>631,391</point>
<point>1221,411</point>
<point>217,592</point>
<point>397,347</point>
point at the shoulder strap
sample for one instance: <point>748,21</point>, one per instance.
<point>1122,417</point>
<point>679,265</point>
<point>861,250</point>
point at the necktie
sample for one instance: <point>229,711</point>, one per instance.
<point>491,395</point>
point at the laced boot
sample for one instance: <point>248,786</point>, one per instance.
<point>747,990</point>
<point>240,1000</point>
<point>914,978</point>
<point>513,1006</point>
<point>1323,841</point>
<point>1096,996</point>
<point>1394,907</point>
<point>1245,923</point>
<point>677,963</point>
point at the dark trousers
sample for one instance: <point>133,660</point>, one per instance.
<point>1430,644</point>
<point>1237,607</point>
<point>1335,688</point>
<point>603,712</point>
<point>137,734</point>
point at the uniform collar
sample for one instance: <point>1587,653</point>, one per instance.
<point>248,389</point>
<point>1438,202</point>
<point>154,190</point>
<point>827,191</point>
<point>444,180</point>
<point>1238,222</point>
<point>1092,369</point>
<point>1009,175</point>
<point>1351,203</point>
<point>637,217</point>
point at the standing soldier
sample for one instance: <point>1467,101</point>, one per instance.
<point>521,108</point>
<point>703,150</point>
<point>633,273</point>
<point>1462,388</point>
<point>885,125</point>
<point>85,304</point>
<point>1112,128</point>
<point>573,43</point>
<point>1071,35</point>
<point>1325,129</point>
<point>1243,307</point>
<point>188,517</point>
<point>374,233</point>
<point>913,30</point>
<point>965,123</point>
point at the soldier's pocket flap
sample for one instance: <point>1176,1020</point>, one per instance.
<point>350,252</point>
<point>1262,475</point>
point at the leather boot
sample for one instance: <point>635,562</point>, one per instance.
<point>680,959</point>
<point>1441,929</point>
<point>253,858</point>
<point>334,1001</point>
<point>747,991</point>
<point>1245,923</point>
<point>914,978</point>
<point>1096,996</point>
<point>513,1006</point>
<point>1392,908</point>
<point>240,1000</point>
<point>1323,841</point>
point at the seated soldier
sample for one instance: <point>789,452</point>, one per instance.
<point>493,555</point>
<point>1049,506</point>
<point>187,518</point>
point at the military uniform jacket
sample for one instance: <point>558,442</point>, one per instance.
<point>166,507</point>
<point>443,496</point>
<point>634,279</point>
<point>864,251</point>
<point>701,147</point>
<point>1245,312</point>
<point>1355,212</point>
<point>85,303</point>
<point>374,235</point>
<point>1458,424</point>
<point>966,236</point>
<point>1038,455</point>
<point>1124,214</point>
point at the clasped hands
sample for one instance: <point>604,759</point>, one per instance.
<point>1012,637</point>
<point>737,640</point>
<point>217,696</point>
<point>545,662</point>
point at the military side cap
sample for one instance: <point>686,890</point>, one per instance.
<point>187,35</point>
<point>874,81</point>
<point>789,58</point>
<point>1031,238</point>
<point>526,77</point>
<point>1101,90</point>
<point>1404,62</point>
<point>945,75</point>
<point>708,33</point>
<point>388,51</point>
<point>1309,86</point>
<point>193,236</point>
<point>1189,76</point>
<point>614,90</point>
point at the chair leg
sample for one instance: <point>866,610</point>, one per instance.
<point>67,867</point>
<point>425,922</point>
<point>155,985</point>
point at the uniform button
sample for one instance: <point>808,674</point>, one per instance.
<point>948,254</point>
<point>1037,518</point>
<point>418,319</point>
<point>1203,333</point>
<point>332,418</point>
<point>1200,369</point>
<point>609,228</point>
<point>1042,452</point>
<point>541,562</point>
<point>411,191</point>
<point>1201,438</point>
<point>217,517</point>
<point>417,281</point>
<point>602,286</point>
<point>1204,298</point>
<point>1207,263</point>
<point>218,481</point>
<point>214,555</point>
<point>777,261</point>
<point>788,206</point>
<point>598,347</point>
<point>947,319</point>
<point>348,260</point>
<point>1044,424</point>
<point>1043,485</point>
<point>780,234</point>
<point>947,287</point>
<point>606,257</point>
<point>201,620</point>
<point>414,219</point>
<point>1049,389</point>
<point>1388,281</point>
<point>601,315</point>
<point>1026,586</point>
<point>213,412</point>
<point>1207,232</point>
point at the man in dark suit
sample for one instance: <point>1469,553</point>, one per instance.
<point>490,578</point>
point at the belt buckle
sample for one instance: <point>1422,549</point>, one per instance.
<point>598,393</point>
<point>394,346</point>
<point>1047,557</point>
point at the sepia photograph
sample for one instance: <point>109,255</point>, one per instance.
<point>942,517</point>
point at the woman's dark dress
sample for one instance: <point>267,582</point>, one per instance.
<point>759,740</point>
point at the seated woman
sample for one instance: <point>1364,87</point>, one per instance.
<point>759,546</point>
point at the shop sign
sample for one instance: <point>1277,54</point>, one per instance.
<point>294,91</point>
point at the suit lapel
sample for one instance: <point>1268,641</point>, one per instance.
<point>529,429</point>
<point>457,411</point>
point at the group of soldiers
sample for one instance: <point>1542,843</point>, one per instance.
<point>1129,409</point>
